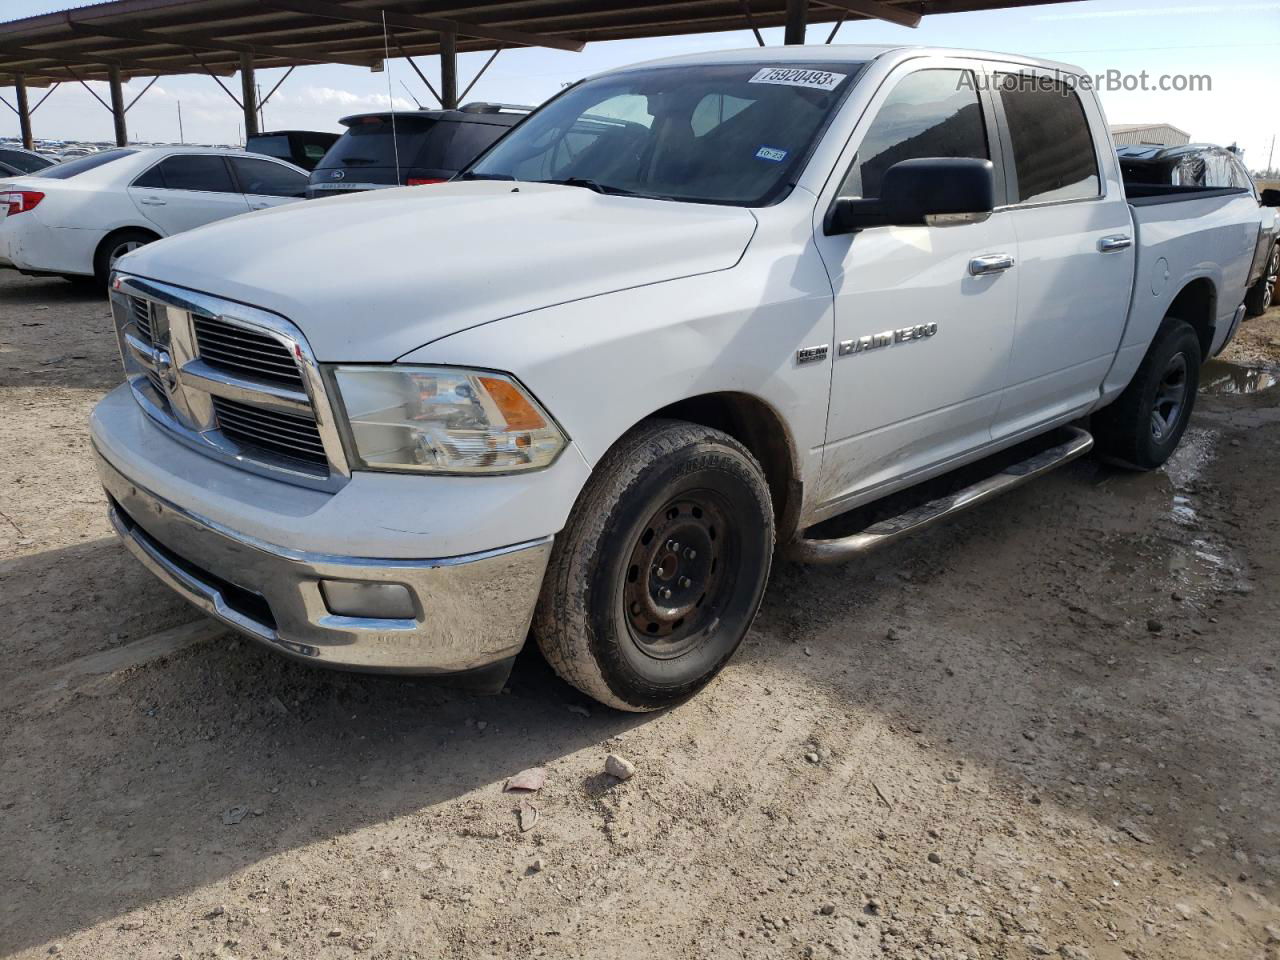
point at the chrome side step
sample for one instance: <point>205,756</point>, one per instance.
<point>918,518</point>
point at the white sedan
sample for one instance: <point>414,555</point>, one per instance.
<point>76,218</point>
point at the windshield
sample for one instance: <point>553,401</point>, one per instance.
<point>729,133</point>
<point>69,168</point>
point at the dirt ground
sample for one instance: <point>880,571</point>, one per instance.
<point>1046,728</point>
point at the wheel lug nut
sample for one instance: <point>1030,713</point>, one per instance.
<point>666,593</point>
<point>672,546</point>
<point>685,582</point>
<point>690,553</point>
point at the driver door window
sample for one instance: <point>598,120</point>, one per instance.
<point>932,113</point>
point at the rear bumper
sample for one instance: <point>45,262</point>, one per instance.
<point>28,245</point>
<point>470,611</point>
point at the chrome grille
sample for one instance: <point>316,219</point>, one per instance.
<point>232,347</point>
<point>279,433</point>
<point>234,382</point>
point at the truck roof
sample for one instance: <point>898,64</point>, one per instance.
<point>852,53</point>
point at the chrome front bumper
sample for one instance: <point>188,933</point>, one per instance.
<point>471,611</point>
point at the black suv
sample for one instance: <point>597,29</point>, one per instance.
<point>302,148</point>
<point>429,145</point>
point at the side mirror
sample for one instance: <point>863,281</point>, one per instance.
<point>962,189</point>
<point>1270,197</point>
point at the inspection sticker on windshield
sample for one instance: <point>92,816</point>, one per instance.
<point>771,153</point>
<point>793,77</point>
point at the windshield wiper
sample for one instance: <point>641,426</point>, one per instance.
<point>484,176</point>
<point>593,185</point>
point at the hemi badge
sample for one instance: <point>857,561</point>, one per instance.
<point>812,354</point>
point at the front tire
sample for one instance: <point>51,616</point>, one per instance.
<point>661,569</point>
<point>1142,428</point>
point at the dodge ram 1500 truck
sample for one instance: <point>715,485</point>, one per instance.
<point>683,312</point>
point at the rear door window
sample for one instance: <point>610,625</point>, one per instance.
<point>1053,150</point>
<point>930,113</point>
<point>202,172</point>
<point>266,179</point>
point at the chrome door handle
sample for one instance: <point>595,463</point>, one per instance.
<point>152,202</point>
<point>1111,244</point>
<point>992,263</point>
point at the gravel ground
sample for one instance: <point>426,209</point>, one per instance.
<point>1048,727</point>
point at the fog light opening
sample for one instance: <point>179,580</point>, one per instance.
<point>375,601</point>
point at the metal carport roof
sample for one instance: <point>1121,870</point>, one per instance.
<point>123,39</point>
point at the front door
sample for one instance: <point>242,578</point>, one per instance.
<point>924,316</point>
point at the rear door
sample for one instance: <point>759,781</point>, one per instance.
<point>187,190</point>
<point>268,184</point>
<point>1075,242</point>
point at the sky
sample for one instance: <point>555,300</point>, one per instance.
<point>1235,44</point>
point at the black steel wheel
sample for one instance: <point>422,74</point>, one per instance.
<point>1143,426</point>
<point>661,569</point>
<point>1263,293</point>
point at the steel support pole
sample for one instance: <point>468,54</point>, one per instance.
<point>24,112</point>
<point>248,95</point>
<point>117,105</point>
<point>797,20</point>
<point>449,70</point>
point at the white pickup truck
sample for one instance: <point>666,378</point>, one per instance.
<point>684,313</point>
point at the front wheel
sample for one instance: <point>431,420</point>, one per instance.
<point>1142,428</point>
<point>661,569</point>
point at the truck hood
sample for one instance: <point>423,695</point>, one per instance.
<point>372,276</point>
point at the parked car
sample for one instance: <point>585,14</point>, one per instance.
<point>76,218</point>
<point>1207,165</point>
<point>428,146</point>
<point>302,148</point>
<point>594,381</point>
<point>16,161</point>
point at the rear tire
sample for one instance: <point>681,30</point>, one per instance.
<point>1262,294</point>
<point>114,246</point>
<point>1142,428</point>
<point>661,569</point>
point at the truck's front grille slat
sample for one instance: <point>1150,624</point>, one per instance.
<point>143,318</point>
<point>236,348</point>
<point>280,434</point>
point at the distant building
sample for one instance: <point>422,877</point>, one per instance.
<point>1148,135</point>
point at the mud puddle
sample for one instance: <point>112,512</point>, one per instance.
<point>1223,378</point>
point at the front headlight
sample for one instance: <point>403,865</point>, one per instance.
<point>444,420</point>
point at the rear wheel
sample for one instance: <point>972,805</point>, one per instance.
<point>1262,294</point>
<point>113,247</point>
<point>1142,428</point>
<point>661,569</point>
